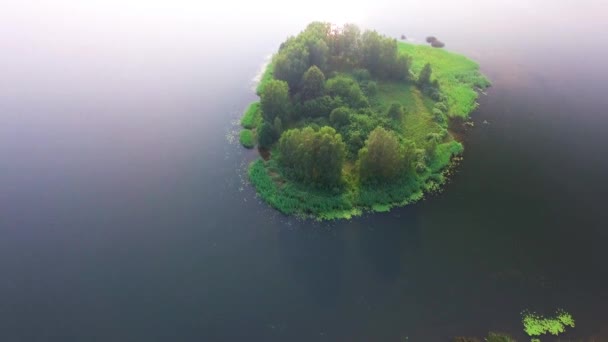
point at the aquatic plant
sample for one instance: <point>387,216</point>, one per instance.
<point>499,337</point>
<point>535,324</point>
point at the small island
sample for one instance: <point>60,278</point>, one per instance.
<point>352,121</point>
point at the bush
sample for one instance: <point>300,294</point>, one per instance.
<point>395,111</point>
<point>442,107</point>
<point>253,116</point>
<point>246,138</point>
<point>348,90</point>
<point>438,115</point>
<point>370,88</point>
<point>319,107</point>
<point>362,75</point>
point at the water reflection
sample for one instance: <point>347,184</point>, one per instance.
<point>315,259</point>
<point>390,243</point>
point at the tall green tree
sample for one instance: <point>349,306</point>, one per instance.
<point>314,157</point>
<point>274,101</point>
<point>382,157</point>
<point>339,116</point>
<point>318,53</point>
<point>424,78</point>
<point>266,135</point>
<point>291,62</point>
<point>313,83</point>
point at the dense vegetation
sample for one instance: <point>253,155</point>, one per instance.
<point>356,121</point>
<point>536,325</point>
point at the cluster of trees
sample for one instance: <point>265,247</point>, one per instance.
<point>333,119</point>
<point>314,157</point>
<point>317,157</point>
<point>333,49</point>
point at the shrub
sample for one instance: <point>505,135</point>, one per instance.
<point>246,138</point>
<point>362,75</point>
<point>252,117</point>
<point>370,88</point>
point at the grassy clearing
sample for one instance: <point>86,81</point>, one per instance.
<point>418,121</point>
<point>458,76</point>
<point>247,139</point>
<point>252,117</point>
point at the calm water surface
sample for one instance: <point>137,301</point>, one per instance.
<point>125,214</point>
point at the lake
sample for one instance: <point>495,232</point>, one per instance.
<point>125,213</point>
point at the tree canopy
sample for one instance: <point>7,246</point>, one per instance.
<point>382,158</point>
<point>314,157</point>
<point>275,100</point>
<point>313,83</point>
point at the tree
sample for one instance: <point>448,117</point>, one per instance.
<point>381,57</point>
<point>344,46</point>
<point>291,62</point>
<point>400,70</point>
<point>278,125</point>
<point>314,157</point>
<point>424,79</point>
<point>371,47</point>
<point>395,111</point>
<point>318,53</point>
<point>274,100</point>
<point>381,159</point>
<point>339,116</point>
<point>348,90</point>
<point>319,107</point>
<point>313,83</point>
<point>266,135</point>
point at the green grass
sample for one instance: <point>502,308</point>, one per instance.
<point>444,154</point>
<point>418,121</point>
<point>458,76</point>
<point>247,139</point>
<point>252,117</point>
<point>292,198</point>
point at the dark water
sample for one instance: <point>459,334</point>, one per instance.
<point>124,214</point>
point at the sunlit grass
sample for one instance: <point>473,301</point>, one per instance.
<point>458,76</point>
<point>418,120</point>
